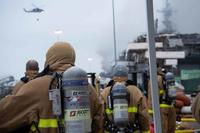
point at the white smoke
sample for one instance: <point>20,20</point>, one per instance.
<point>107,62</point>
<point>179,16</point>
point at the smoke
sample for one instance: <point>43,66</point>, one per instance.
<point>167,12</point>
<point>107,60</point>
<point>180,17</point>
<point>130,22</point>
<point>187,17</point>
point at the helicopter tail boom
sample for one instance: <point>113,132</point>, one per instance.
<point>26,10</point>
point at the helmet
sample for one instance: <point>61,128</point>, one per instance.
<point>60,52</point>
<point>32,65</point>
<point>169,77</point>
<point>120,71</point>
<point>75,76</point>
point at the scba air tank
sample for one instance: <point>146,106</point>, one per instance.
<point>120,98</point>
<point>170,86</point>
<point>76,102</point>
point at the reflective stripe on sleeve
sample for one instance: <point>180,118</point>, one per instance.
<point>185,131</point>
<point>165,106</point>
<point>150,111</point>
<point>108,111</point>
<point>188,120</point>
<point>48,123</point>
<point>162,92</point>
<point>137,131</point>
<point>146,131</point>
<point>132,109</point>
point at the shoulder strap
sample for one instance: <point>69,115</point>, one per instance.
<point>57,77</point>
<point>129,82</point>
<point>110,83</point>
<point>57,81</point>
<point>24,79</point>
<point>44,72</point>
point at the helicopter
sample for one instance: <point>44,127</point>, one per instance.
<point>34,10</point>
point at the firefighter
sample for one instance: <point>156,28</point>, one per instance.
<point>125,105</point>
<point>31,105</point>
<point>167,109</point>
<point>32,70</point>
<point>196,106</point>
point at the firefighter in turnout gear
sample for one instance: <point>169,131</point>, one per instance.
<point>125,106</point>
<point>32,70</point>
<point>167,97</point>
<point>32,105</point>
<point>196,105</point>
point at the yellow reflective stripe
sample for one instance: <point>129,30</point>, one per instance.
<point>188,120</point>
<point>165,105</point>
<point>132,109</point>
<point>137,131</point>
<point>146,131</point>
<point>63,122</point>
<point>162,92</point>
<point>33,128</point>
<point>150,111</point>
<point>184,131</point>
<point>48,123</point>
<point>108,111</point>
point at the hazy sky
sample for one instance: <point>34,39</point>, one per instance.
<point>86,24</point>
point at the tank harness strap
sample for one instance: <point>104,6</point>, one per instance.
<point>24,79</point>
<point>33,128</point>
<point>108,111</point>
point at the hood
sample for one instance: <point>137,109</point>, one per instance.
<point>159,71</point>
<point>32,65</point>
<point>60,56</point>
